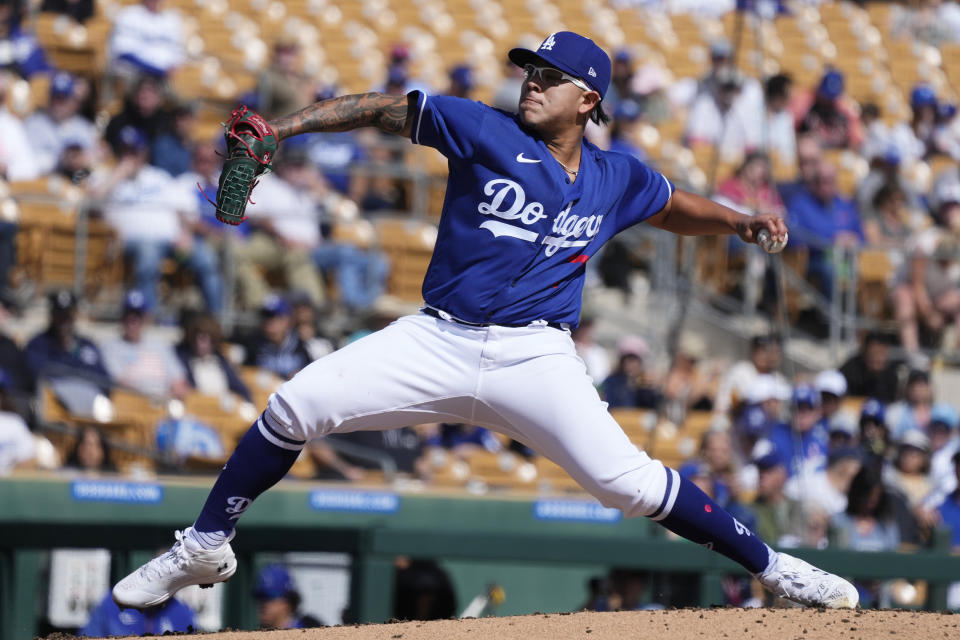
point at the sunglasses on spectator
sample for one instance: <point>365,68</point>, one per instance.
<point>551,76</point>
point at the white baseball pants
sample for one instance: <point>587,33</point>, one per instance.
<point>527,383</point>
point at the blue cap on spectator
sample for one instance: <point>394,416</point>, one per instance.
<point>61,85</point>
<point>627,110</point>
<point>844,453</point>
<point>694,469</point>
<point>872,409</point>
<point>765,456</point>
<point>396,76</point>
<point>462,75</point>
<point>891,154</point>
<point>806,395</point>
<point>753,421</point>
<point>273,582</point>
<point>135,302</point>
<point>623,55</point>
<point>946,111</point>
<point>831,85</point>
<point>946,415</point>
<point>922,96</point>
<point>132,138</point>
<point>274,305</point>
<point>579,56</point>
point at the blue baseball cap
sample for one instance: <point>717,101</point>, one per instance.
<point>273,582</point>
<point>946,415</point>
<point>753,421</point>
<point>872,409</point>
<point>462,75</point>
<point>765,455</point>
<point>135,302</point>
<point>61,85</point>
<point>627,110</point>
<point>570,52</point>
<point>694,469</point>
<point>130,137</point>
<point>805,394</point>
<point>922,96</point>
<point>274,305</point>
<point>832,85</point>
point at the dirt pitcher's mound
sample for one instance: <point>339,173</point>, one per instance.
<point>686,624</point>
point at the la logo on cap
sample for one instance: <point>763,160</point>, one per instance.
<point>549,43</point>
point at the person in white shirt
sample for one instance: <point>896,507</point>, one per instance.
<point>17,444</point>
<point>826,490</point>
<point>285,221</point>
<point>716,119</point>
<point>18,159</point>
<point>148,366</point>
<point>147,39</point>
<point>737,385</point>
<point>141,202</point>
<point>60,125</point>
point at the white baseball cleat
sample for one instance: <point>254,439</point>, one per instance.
<point>794,579</point>
<point>186,563</point>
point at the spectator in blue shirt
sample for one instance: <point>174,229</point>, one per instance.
<point>276,347</point>
<point>172,149</point>
<point>109,620</point>
<point>802,445</point>
<point>19,49</point>
<point>59,352</point>
<point>278,600</point>
<point>949,510</point>
<point>820,219</point>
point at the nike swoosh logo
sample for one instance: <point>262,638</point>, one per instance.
<point>520,158</point>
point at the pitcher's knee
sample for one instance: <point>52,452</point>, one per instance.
<point>644,491</point>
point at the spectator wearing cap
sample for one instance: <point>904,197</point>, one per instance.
<point>172,149</point>
<point>752,425</point>
<point>843,430</point>
<point>461,82</point>
<point>765,357</point>
<point>621,79</point>
<point>721,52</point>
<point>826,490</point>
<point>143,204</point>
<point>285,221</point>
<point>949,509</point>
<point>874,433</point>
<point>914,411</point>
<point>18,159</point>
<point>630,384</point>
<point>207,370</point>
<point>829,115</point>
<point>832,387</point>
<point>335,153</point>
<point>870,372</point>
<point>60,353</point>
<point>20,51</point>
<point>278,600</point>
<point>624,127</point>
<point>777,516</point>
<point>283,87</point>
<point>275,346</point>
<point>107,619</point>
<point>714,118</point>
<point>914,139</point>
<point>802,445</point>
<point>944,445</point>
<point>910,468</point>
<point>148,366</point>
<point>147,39</point>
<point>144,108</point>
<point>821,220</point>
<point>60,124</point>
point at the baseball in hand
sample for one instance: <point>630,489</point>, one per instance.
<point>768,244</point>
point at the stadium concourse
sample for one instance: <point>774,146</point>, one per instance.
<point>809,394</point>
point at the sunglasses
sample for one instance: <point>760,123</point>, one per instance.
<point>551,76</point>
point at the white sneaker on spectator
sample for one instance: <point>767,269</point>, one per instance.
<point>186,563</point>
<point>794,579</point>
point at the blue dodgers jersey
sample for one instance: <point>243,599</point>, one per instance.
<point>515,234</point>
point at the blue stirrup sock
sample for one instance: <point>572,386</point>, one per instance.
<point>692,514</point>
<point>263,458</point>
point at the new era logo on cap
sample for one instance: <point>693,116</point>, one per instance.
<point>592,72</point>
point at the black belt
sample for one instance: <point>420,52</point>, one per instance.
<point>436,313</point>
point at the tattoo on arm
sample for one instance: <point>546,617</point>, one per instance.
<point>392,114</point>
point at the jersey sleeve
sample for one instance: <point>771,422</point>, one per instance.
<point>448,124</point>
<point>647,192</point>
